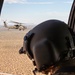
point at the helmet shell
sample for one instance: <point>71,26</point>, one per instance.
<point>49,44</point>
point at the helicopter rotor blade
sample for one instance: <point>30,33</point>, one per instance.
<point>16,22</point>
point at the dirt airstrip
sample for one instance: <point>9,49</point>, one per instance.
<point>11,61</point>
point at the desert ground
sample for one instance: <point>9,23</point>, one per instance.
<point>11,62</point>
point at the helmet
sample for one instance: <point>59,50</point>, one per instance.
<point>49,44</point>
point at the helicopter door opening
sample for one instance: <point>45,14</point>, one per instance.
<point>71,21</point>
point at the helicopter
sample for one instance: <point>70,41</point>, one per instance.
<point>17,25</point>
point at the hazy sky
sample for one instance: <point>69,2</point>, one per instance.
<point>36,11</point>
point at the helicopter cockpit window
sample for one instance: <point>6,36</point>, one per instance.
<point>17,18</point>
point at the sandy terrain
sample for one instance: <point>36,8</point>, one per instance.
<point>11,61</point>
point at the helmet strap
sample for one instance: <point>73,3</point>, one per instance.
<point>71,49</point>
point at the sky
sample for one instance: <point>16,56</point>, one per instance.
<point>35,11</point>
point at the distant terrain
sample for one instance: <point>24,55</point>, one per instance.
<point>11,61</point>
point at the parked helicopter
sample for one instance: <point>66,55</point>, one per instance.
<point>17,25</point>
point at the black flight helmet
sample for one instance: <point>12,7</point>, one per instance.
<point>49,44</point>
